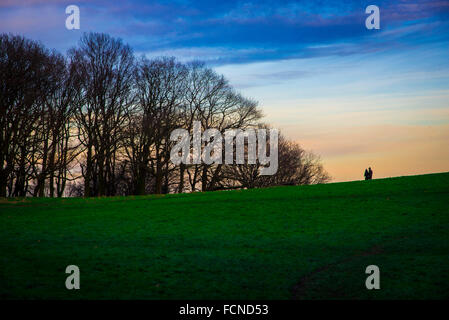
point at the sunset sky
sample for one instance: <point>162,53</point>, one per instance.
<point>357,97</point>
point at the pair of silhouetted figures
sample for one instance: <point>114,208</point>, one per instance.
<point>368,174</point>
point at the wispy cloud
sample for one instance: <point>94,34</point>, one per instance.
<point>253,30</point>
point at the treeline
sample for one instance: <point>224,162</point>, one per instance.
<point>97,122</point>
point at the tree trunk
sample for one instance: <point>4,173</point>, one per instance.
<point>87,178</point>
<point>181,177</point>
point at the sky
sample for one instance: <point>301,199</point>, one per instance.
<point>356,97</point>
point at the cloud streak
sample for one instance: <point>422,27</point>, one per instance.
<point>254,30</point>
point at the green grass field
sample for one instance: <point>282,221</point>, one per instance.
<point>308,242</point>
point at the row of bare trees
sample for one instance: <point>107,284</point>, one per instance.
<point>97,122</point>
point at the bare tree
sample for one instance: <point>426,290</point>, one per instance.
<point>57,149</point>
<point>211,100</point>
<point>160,87</point>
<point>104,68</point>
<point>296,166</point>
<point>23,84</point>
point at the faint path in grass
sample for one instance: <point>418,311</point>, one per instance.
<point>300,289</point>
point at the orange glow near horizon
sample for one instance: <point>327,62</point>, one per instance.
<point>389,150</point>
<point>384,140</point>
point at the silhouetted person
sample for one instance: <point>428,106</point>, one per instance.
<point>370,173</point>
<point>366,174</point>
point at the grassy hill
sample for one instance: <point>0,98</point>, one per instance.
<point>303,242</point>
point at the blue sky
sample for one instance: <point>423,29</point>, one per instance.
<point>236,31</point>
<point>358,97</point>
